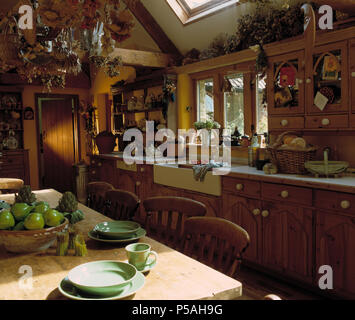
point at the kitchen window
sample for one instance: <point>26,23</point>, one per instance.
<point>192,10</point>
<point>233,96</point>
<point>205,101</point>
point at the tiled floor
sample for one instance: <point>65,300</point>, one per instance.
<point>256,286</point>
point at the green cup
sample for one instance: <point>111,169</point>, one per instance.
<point>138,254</point>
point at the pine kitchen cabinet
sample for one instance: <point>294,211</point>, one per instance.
<point>277,226</point>
<point>352,74</point>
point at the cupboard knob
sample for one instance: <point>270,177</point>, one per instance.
<point>138,183</point>
<point>300,81</point>
<point>93,172</point>
<point>308,80</point>
<point>142,169</point>
<point>239,187</point>
<point>100,164</point>
<point>345,204</point>
<point>93,161</point>
<point>265,213</point>
<point>284,123</point>
<point>325,122</point>
<point>284,194</point>
<point>256,212</point>
<point>353,74</point>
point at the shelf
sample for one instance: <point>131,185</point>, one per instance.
<point>138,111</point>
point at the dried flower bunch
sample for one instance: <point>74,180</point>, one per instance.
<point>268,23</point>
<point>64,32</point>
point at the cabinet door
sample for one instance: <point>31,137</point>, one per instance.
<point>285,84</point>
<point>335,243</point>
<point>127,180</point>
<point>352,74</point>
<point>246,213</point>
<point>213,204</point>
<point>327,76</point>
<point>287,239</point>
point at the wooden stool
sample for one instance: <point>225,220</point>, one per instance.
<point>10,185</point>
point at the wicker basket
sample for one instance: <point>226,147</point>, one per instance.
<point>290,161</point>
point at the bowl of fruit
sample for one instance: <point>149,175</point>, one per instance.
<point>28,225</point>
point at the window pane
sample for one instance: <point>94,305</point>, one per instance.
<point>234,102</point>
<point>196,3</point>
<point>205,100</point>
<point>261,106</point>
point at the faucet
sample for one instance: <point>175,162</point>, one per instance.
<point>326,152</point>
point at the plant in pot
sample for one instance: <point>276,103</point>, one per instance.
<point>106,142</point>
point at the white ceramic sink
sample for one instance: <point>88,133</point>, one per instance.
<point>172,176</point>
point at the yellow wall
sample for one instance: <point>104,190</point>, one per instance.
<point>30,129</point>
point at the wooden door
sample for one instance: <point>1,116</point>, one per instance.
<point>352,74</point>
<point>285,84</point>
<point>335,243</point>
<point>287,239</point>
<point>58,152</point>
<point>246,213</point>
<point>328,74</point>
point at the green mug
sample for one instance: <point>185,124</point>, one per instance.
<point>138,254</point>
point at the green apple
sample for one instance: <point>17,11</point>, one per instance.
<point>6,220</point>
<point>34,221</point>
<point>19,226</point>
<point>53,217</point>
<point>21,210</point>
<point>41,207</point>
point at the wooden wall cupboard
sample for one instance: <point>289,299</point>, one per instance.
<point>296,79</point>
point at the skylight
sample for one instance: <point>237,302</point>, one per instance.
<point>192,10</point>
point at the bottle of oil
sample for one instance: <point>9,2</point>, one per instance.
<point>253,151</point>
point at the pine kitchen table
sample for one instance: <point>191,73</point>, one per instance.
<point>175,276</point>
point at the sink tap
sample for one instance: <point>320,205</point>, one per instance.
<point>328,151</point>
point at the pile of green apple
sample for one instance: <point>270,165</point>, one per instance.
<point>21,216</point>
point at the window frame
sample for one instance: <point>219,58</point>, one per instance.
<point>187,15</point>
<point>247,69</point>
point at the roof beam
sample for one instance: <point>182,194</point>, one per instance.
<point>138,58</point>
<point>152,27</point>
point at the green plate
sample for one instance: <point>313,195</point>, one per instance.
<point>67,289</point>
<point>117,229</point>
<point>104,278</point>
<point>139,234</point>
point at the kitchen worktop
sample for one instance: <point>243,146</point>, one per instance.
<point>345,183</point>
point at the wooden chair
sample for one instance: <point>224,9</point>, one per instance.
<point>216,242</point>
<point>10,185</point>
<point>121,204</point>
<point>165,217</point>
<point>96,192</point>
<point>272,297</point>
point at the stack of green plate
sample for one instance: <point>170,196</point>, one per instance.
<point>117,232</point>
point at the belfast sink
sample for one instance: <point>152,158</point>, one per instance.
<point>172,176</point>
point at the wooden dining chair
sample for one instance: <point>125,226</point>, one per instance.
<point>216,242</point>
<point>121,204</point>
<point>96,192</point>
<point>272,297</point>
<point>165,217</point>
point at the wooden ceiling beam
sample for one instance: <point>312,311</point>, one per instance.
<point>138,58</point>
<point>152,27</point>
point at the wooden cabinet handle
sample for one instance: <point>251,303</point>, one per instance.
<point>93,162</point>
<point>284,194</point>
<point>138,183</point>
<point>345,204</point>
<point>309,80</point>
<point>325,122</point>
<point>100,164</point>
<point>239,187</point>
<point>256,212</point>
<point>353,74</point>
<point>142,169</point>
<point>300,81</point>
<point>93,172</point>
<point>265,213</point>
<point>284,123</point>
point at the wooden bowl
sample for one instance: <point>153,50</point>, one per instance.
<point>26,241</point>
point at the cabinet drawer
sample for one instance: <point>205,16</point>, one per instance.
<point>334,121</point>
<point>16,174</point>
<point>286,122</point>
<point>281,192</point>
<point>241,186</point>
<point>330,200</point>
<point>352,117</point>
<point>11,161</point>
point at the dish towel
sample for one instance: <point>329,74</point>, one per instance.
<point>200,171</point>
